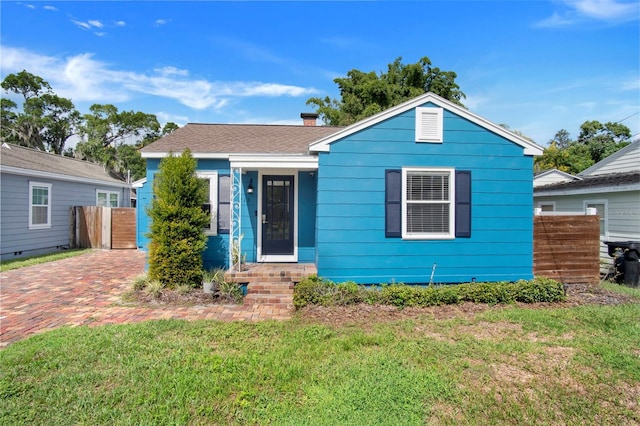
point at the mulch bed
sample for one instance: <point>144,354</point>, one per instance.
<point>577,294</point>
<point>196,297</point>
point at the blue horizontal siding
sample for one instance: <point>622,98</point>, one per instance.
<point>351,243</point>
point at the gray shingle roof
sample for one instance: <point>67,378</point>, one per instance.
<point>614,179</point>
<point>240,139</point>
<point>31,159</point>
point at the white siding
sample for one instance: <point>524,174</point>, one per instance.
<point>549,178</point>
<point>625,160</point>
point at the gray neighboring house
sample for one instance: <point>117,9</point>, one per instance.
<point>38,190</point>
<point>611,186</point>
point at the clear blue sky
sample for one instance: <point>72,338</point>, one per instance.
<point>537,66</point>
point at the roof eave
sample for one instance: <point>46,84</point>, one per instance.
<point>588,190</point>
<point>63,177</point>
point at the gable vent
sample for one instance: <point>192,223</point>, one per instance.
<point>429,125</point>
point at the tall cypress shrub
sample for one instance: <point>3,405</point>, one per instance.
<point>176,235</point>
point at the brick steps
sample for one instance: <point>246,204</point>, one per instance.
<point>271,284</point>
<point>269,293</point>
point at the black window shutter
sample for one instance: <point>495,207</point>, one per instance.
<point>463,203</point>
<point>393,204</point>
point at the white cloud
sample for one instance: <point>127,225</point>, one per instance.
<point>555,20</point>
<point>606,9</point>
<point>52,8</point>
<point>578,11</point>
<point>120,23</point>
<point>160,22</point>
<point>95,23</point>
<point>83,78</point>
<point>83,25</point>
<point>30,6</point>
<point>165,117</point>
<point>171,71</point>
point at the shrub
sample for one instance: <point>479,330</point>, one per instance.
<point>316,291</point>
<point>184,289</point>
<point>229,291</point>
<point>154,288</point>
<point>312,291</point>
<point>140,282</point>
<point>540,290</point>
<point>177,223</point>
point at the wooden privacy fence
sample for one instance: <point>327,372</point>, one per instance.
<point>567,248</point>
<point>103,227</point>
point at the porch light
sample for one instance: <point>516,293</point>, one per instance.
<point>250,187</point>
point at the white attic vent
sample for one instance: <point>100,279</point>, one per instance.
<point>429,125</point>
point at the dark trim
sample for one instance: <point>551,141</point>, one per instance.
<point>463,204</point>
<point>393,204</point>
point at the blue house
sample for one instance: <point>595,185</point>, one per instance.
<point>425,191</point>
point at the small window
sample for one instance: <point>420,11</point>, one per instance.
<point>210,204</point>
<point>428,203</point>
<point>39,205</point>
<point>429,125</point>
<point>224,204</point>
<point>107,198</point>
<point>547,207</point>
<point>601,210</point>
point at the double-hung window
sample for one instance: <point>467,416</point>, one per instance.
<point>107,198</point>
<point>218,202</point>
<point>428,208</point>
<point>427,203</point>
<point>39,205</point>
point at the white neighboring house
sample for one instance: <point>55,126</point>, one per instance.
<point>37,192</point>
<point>611,186</point>
<point>553,176</point>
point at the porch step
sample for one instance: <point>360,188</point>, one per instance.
<point>270,288</point>
<point>270,293</point>
<point>271,283</point>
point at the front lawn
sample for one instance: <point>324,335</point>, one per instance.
<point>508,365</point>
<point>8,265</point>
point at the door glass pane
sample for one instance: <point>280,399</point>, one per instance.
<point>278,193</point>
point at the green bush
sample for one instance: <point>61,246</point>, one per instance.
<point>313,291</point>
<point>176,232</point>
<point>316,291</point>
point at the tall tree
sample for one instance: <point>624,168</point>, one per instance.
<point>595,142</point>
<point>603,140</point>
<point>47,120</point>
<point>110,137</point>
<point>366,93</point>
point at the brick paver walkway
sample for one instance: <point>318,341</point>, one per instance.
<point>87,290</point>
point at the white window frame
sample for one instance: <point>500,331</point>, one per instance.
<point>212,176</point>
<point>48,187</point>
<point>109,194</point>
<point>547,203</point>
<point>604,218</point>
<point>429,135</point>
<point>451,202</point>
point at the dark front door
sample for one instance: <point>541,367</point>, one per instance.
<point>277,215</point>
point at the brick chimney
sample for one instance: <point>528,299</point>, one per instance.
<point>309,118</point>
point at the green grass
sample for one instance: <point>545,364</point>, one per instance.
<point>8,265</point>
<point>505,366</point>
